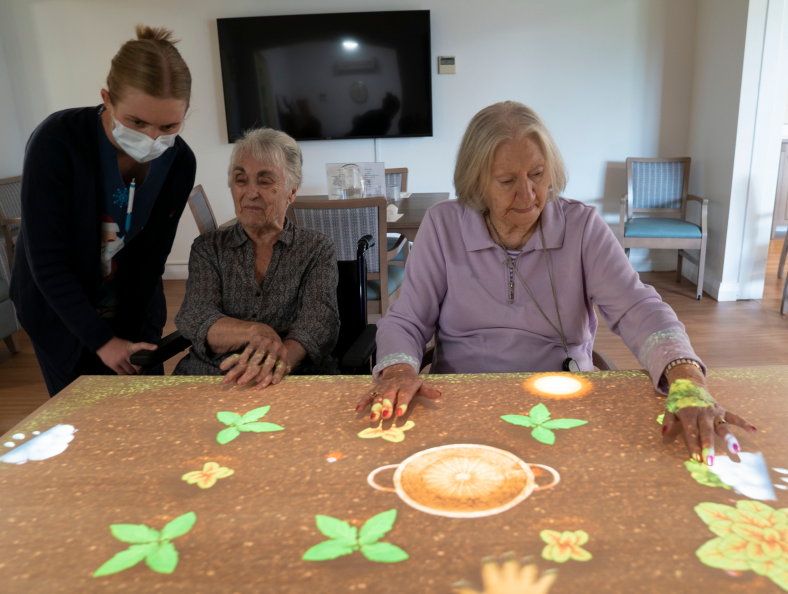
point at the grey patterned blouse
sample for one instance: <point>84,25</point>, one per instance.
<point>297,297</point>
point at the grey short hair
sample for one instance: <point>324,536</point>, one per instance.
<point>489,128</point>
<point>272,147</point>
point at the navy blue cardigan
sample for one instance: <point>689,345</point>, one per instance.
<point>57,273</point>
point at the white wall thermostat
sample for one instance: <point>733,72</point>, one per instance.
<point>446,65</point>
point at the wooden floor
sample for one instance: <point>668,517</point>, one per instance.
<point>723,334</point>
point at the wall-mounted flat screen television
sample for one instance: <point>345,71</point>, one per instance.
<point>328,76</point>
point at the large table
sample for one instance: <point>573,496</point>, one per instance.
<point>415,509</point>
<point>412,209</point>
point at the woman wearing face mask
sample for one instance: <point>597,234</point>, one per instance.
<point>102,192</point>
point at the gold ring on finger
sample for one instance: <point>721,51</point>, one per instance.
<point>374,394</point>
<point>720,422</point>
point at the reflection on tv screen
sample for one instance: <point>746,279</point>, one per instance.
<point>328,76</point>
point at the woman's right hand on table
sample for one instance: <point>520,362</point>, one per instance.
<point>117,352</point>
<point>397,386</point>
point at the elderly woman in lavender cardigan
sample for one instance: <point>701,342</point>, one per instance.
<point>508,276</point>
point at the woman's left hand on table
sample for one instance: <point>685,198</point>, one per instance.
<point>692,410</point>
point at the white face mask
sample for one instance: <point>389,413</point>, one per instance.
<point>141,147</point>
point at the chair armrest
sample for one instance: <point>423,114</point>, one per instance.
<point>396,248</point>
<point>624,216</point>
<point>14,221</point>
<point>361,350</point>
<point>169,346</point>
<point>428,357</point>
<point>704,210</point>
<point>602,362</point>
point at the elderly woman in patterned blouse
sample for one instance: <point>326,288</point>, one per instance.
<point>508,276</point>
<point>261,296</point>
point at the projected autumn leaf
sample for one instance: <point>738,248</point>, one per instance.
<point>751,536</point>
<point>563,546</point>
<point>703,474</point>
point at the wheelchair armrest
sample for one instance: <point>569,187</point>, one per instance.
<point>169,346</point>
<point>361,350</point>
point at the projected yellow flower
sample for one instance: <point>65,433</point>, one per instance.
<point>557,386</point>
<point>394,434</point>
<point>207,477</point>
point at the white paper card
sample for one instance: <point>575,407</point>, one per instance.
<point>392,213</point>
<point>374,175</point>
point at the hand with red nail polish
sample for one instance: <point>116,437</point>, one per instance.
<point>691,410</point>
<point>391,396</point>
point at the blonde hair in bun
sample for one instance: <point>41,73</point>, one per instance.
<point>150,64</point>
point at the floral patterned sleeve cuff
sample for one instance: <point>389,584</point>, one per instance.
<point>394,359</point>
<point>660,349</point>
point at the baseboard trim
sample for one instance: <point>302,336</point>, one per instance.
<point>711,285</point>
<point>176,271</point>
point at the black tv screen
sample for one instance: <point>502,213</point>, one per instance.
<point>328,76</point>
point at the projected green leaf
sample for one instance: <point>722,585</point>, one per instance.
<point>244,424</point>
<point>345,539</point>
<point>153,546</point>
<point>541,425</point>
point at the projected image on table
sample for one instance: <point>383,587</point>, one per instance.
<point>463,480</point>
<point>557,386</point>
<point>393,434</point>
<point>750,537</point>
<point>749,477</point>
<point>249,422</point>
<point>44,445</point>
<point>344,539</point>
<point>541,425</point>
<point>510,577</point>
<point>147,543</point>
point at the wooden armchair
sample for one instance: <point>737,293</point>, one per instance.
<point>660,186</point>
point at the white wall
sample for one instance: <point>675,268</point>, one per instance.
<point>612,79</point>
<point>741,81</point>
<point>11,145</point>
<point>719,54</point>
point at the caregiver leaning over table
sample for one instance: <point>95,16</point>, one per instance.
<point>507,277</point>
<point>87,273</point>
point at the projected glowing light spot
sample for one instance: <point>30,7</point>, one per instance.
<point>558,385</point>
<point>350,45</point>
<point>18,436</point>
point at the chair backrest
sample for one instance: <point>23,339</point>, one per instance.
<point>346,221</point>
<point>398,175</point>
<point>10,208</point>
<point>351,300</point>
<point>655,185</point>
<point>202,211</point>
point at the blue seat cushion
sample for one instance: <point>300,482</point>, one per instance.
<point>3,290</point>
<point>396,276</point>
<point>391,239</point>
<point>654,227</point>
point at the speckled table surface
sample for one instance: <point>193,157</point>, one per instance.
<point>249,515</point>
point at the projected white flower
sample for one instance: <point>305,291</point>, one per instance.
<point>50,443</point>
